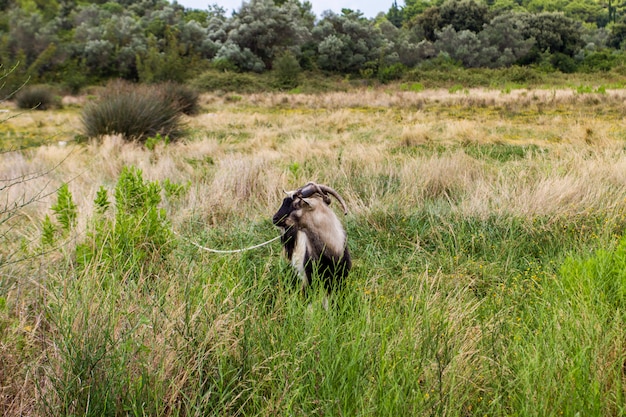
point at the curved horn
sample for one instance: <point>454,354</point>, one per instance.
<point>327,190</point>
<point>311,188</point>
<point>307,191</point>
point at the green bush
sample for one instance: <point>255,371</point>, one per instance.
<point>228,81</point>
<point>602,61</point>
<point>563,63</point>
<point>135,112</point>
<point>287,71</point>
<point>138,236</point>
<point>391,73</point>
<point>518,75</point>
<point>38,97</point>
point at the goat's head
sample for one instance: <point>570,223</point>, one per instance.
<point>302,200</point>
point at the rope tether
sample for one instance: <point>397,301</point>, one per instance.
<point>229,251</point>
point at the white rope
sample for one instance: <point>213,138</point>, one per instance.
<point>229,251</point>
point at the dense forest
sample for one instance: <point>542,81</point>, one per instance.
<point>74,43</point>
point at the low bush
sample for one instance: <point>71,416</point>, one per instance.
<point>287,71</point>
<point>391,73</point>
<point>182,96</point>
<point>603,61</point>
<point>135,112</point>
<point>137,236</point>
<point>229,81</point>
<point>37,97</point>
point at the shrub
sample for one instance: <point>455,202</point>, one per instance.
<point>138,236</point>
<point>602,61</point>
<point>228,81</point>
<point>135,112</point>
<point>287,71</point>
<point>391,73</point>
<point>38,97</point>
<point>182,96</point>
<point>153,141</point>
<point>414,87</point>
<point>518,75</point>
<point>563,63</point>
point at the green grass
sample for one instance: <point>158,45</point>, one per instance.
<point>486,316</point>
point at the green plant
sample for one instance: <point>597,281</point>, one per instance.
<point>102,201</point>
<point>390,73</point>
<point>286,71</point>
<point>414,87</point>
<point>153,141</point>
<point>65,208</point>
<point>138,235</point>
<point>65,211</point>
<point>229,81</point>
<point>599,278</point>
<point>584,89</point>
<point>295,168</point>
<point>175,191</point>
<point>135,112</point>
<point>167,60</point>
<point>48,231</point>
<point>456,89</point>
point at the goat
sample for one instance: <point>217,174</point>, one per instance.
<point>313,238</point>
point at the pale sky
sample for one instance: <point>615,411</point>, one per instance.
<point>369,8</point>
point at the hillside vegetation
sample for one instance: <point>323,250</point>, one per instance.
<point>76,44</point>
<point>486,226</point>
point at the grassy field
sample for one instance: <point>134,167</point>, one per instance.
<point>486,229</point>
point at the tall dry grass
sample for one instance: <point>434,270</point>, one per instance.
<point>238,158</point>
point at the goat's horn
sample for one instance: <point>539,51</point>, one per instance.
<point>327,190</point>
<point>312,188</point>
<point>309,189</point>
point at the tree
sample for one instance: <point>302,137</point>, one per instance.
<point>505,34</point>
<point>395,15</point>
<point>29,33</point>
<point>108,43</point>
<point>429,22</point>
<point>588,12</point>
<point>617,36</point>
<point>464,15</point>
<point>553,33</point>
<point>265,29</point>
<point>413,8</point>
<point>287,70</point>
<point>463,46</point>
<point>349,43</point>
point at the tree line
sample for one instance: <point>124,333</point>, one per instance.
<point>81,42</point>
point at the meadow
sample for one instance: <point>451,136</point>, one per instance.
<point>486,227</point>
